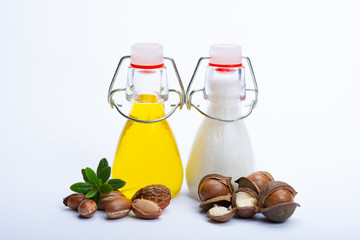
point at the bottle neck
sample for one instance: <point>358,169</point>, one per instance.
<point>146,82</point>
<point>225,84</point>
<point>224,91</point>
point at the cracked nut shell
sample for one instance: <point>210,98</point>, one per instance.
<point>146,209</point>
<point>106,198</point>
<point>276,201</point>
<point>118,207</point>
<point>157,193</point>
<point>224,201</point>
<point>214,185</point>
<point>256,181</point>
<point>220,213</point>
<point>261,178</point>
<point>249,202</point>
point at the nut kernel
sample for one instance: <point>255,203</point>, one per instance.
<point>245,202</point>
<point>244,199</point>
<point>220,213</point>
<point>146,209</point>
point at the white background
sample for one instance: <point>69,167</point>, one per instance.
<point>56,62</point>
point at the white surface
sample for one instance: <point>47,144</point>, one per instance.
<point>56,62</point>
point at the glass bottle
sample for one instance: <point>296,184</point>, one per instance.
<point>222,144</point>
<point>147,152</point>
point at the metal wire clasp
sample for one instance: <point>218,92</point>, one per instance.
<point>112,91</point>
<point>251,106</point>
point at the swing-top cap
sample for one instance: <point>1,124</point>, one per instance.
<point>225,55</point>
<point>147,55</point>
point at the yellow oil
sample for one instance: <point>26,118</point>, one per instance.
<point>147,152</point>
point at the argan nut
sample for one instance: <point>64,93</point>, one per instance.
<point>106,198</point>
<point>157,193</point>
<point>245,203</point>
<point>256,181</point>
<point>72,201</point>
<point>224,201</point>
<point>146,209</point>
<point>276,201</point>
<point>214,185</point>
<point>118,207</point>
<point>220,213</point>
<point>87,208</point>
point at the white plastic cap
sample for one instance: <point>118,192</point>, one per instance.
<point>225,54</point>
<point>147,54</point>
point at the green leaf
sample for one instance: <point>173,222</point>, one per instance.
<point>91,175</point>
<point>97,198</point>
<point>81,187</point>
<point>84,175</point>
<point>116,183</point>
<point>104,174</point>
<point>102,164</point>
<point>106,189</point>
<point>91,193</point>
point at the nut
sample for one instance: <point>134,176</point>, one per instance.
<point>158,193</point>
<point>224,201</point>
<point>220,213</point>
<point>87,208</point>
<point>214,185</point>
<point>118,207</point>
<point>278,197</point>
<point>146,209</point>
<point>261,178</point>
<point>73,200</point>
<point>276,201</point>
<point>106,198</point>
<point>245,203</point>
<point>256,181</point>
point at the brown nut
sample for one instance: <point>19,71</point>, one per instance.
<point>224,201</point>
<point>106,198</point>
<point>245,203</point>
<point>146,209</point>
<point>256,181</point>
<point>87,208</point>
<point>157,193</point>
<point>277,197</point>
<point>118,207</point>
<point>72,201</point>
<point>220,213</point>
<point>276,201</point>
<point>261,178</point>
<point>214,185</point>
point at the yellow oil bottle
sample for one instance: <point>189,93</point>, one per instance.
<point>147,152</point>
